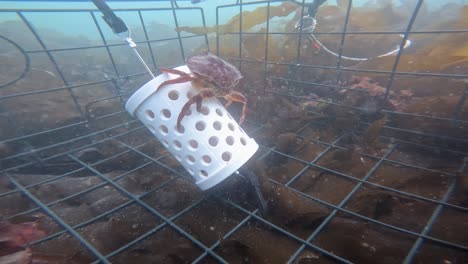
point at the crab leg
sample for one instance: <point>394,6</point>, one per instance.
<point>204,93</point>
<point>174,71</point>
<point>234,96</point>
<point>184,77</point>
<point>185,109</point>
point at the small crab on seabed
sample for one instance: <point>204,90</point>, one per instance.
<point>213,77</point>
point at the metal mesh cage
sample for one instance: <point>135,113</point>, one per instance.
<point>360,160</point>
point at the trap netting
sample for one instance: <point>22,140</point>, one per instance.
<point>359,111</point>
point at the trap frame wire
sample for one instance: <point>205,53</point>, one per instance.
<point>209,250</point>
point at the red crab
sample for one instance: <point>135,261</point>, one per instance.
<point>213,76</point>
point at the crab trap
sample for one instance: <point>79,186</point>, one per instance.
<point>234,132</point>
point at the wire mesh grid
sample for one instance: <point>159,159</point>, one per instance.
<point>58,175</point>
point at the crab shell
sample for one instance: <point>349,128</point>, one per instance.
<point>215,70</point>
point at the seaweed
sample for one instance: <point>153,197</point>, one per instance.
<point>249,19</point>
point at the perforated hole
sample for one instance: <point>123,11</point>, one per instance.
<point>217,125</point>
<point>204,173</point>
<point>190,159</point>
<point>205,110</point>
<point>163,129</point>
<point>166,114</point>
<point>173,95</point>
<point>149,115</point>
<point>213,141</point>
<point>193,144</point>
<point>206,160</point>
<point>230,140</point>
<point>200,125</point>
<point>219,112</point>
<point>231,126</point>
<point>165,144</point>
<point>179,130</point>
<point>226,156</point>
<point>177,145</point>
<point>243,141</point>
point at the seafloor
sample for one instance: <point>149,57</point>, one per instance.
<point>334,144</point>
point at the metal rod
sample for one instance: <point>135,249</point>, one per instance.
<point>414,249</point>
<point>289,234</point>
<point>59,221</point>
<point>342,40</point>
<point>402,45</point>
<point>340,205</point>
<point>24,165</point>
<point>138,201</point>
<point>54,62</point>
<point>359,180</point>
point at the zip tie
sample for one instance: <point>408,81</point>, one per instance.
<point>133,45</point>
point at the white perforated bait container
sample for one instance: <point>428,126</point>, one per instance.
<point>211,146</point>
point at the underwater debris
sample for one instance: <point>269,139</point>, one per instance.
<point>364,83</point>
<point>289,142</point>
<point>13,238</point>
<point>45,71</point>
<point>374,101</point>
<point>256,184</point>
<point>89,155</point>
<point>313,102</point>
<point>276,111</point>
<point>287,206</point>
<point>370,135</point>
<point>242,252</point>
<point>406,93</point>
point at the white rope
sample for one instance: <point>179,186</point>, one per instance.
<point>309,24</point>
